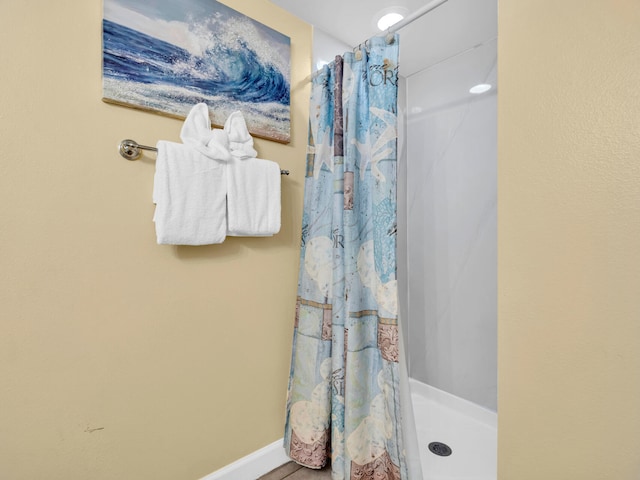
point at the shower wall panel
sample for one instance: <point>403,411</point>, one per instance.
<point>451,242</point>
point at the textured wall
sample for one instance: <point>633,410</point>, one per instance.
<point>119,358</point>
<point>569,230</point>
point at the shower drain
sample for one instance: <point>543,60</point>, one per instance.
<point>440,449</point>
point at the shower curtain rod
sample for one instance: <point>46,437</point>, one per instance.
<point>408,19</point>
<point>415,15</point>
<point>395,27</point>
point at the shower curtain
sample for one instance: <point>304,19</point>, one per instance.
<point>343,399</point>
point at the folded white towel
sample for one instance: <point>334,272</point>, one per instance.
<point>253,197</point>
<point>189,193</point>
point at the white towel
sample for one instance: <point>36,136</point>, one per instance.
<point>189,193</point>
<point>190,184</point>
<point>253,197</point>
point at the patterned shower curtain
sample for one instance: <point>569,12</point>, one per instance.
<point>343,401</point>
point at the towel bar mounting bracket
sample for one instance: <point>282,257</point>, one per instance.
<point>130,149</point>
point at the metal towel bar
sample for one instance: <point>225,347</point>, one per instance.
<point>131,150</point>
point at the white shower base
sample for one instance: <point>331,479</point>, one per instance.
<point>468,429</point>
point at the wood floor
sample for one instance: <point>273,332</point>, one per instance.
<point>293,471</point>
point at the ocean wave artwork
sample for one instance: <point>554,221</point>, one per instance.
<point>165,56</point>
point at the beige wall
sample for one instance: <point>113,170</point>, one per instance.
<point>123,359</point>
<point>119,358</point>
<point>569,240</point>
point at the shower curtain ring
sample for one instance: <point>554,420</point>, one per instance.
<point>390,38</point>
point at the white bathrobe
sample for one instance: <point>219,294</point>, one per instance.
<point>190,184</point>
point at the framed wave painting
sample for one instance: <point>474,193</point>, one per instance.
<point>165,56</point>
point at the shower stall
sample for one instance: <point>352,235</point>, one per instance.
<point>447,265</point>
<point>447,247</point>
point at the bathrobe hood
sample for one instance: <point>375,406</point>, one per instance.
<point>197,133</point>
<point>240,141</point>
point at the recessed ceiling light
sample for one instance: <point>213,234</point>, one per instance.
<point>389,16</point>
<point>480,88</point>
<point>388,20</point>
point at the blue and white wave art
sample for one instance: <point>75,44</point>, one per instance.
<point>167,56</point>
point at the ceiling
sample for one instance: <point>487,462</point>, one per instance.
<point>449,29</point>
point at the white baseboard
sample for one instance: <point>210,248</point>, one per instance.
<point>253,465</point>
